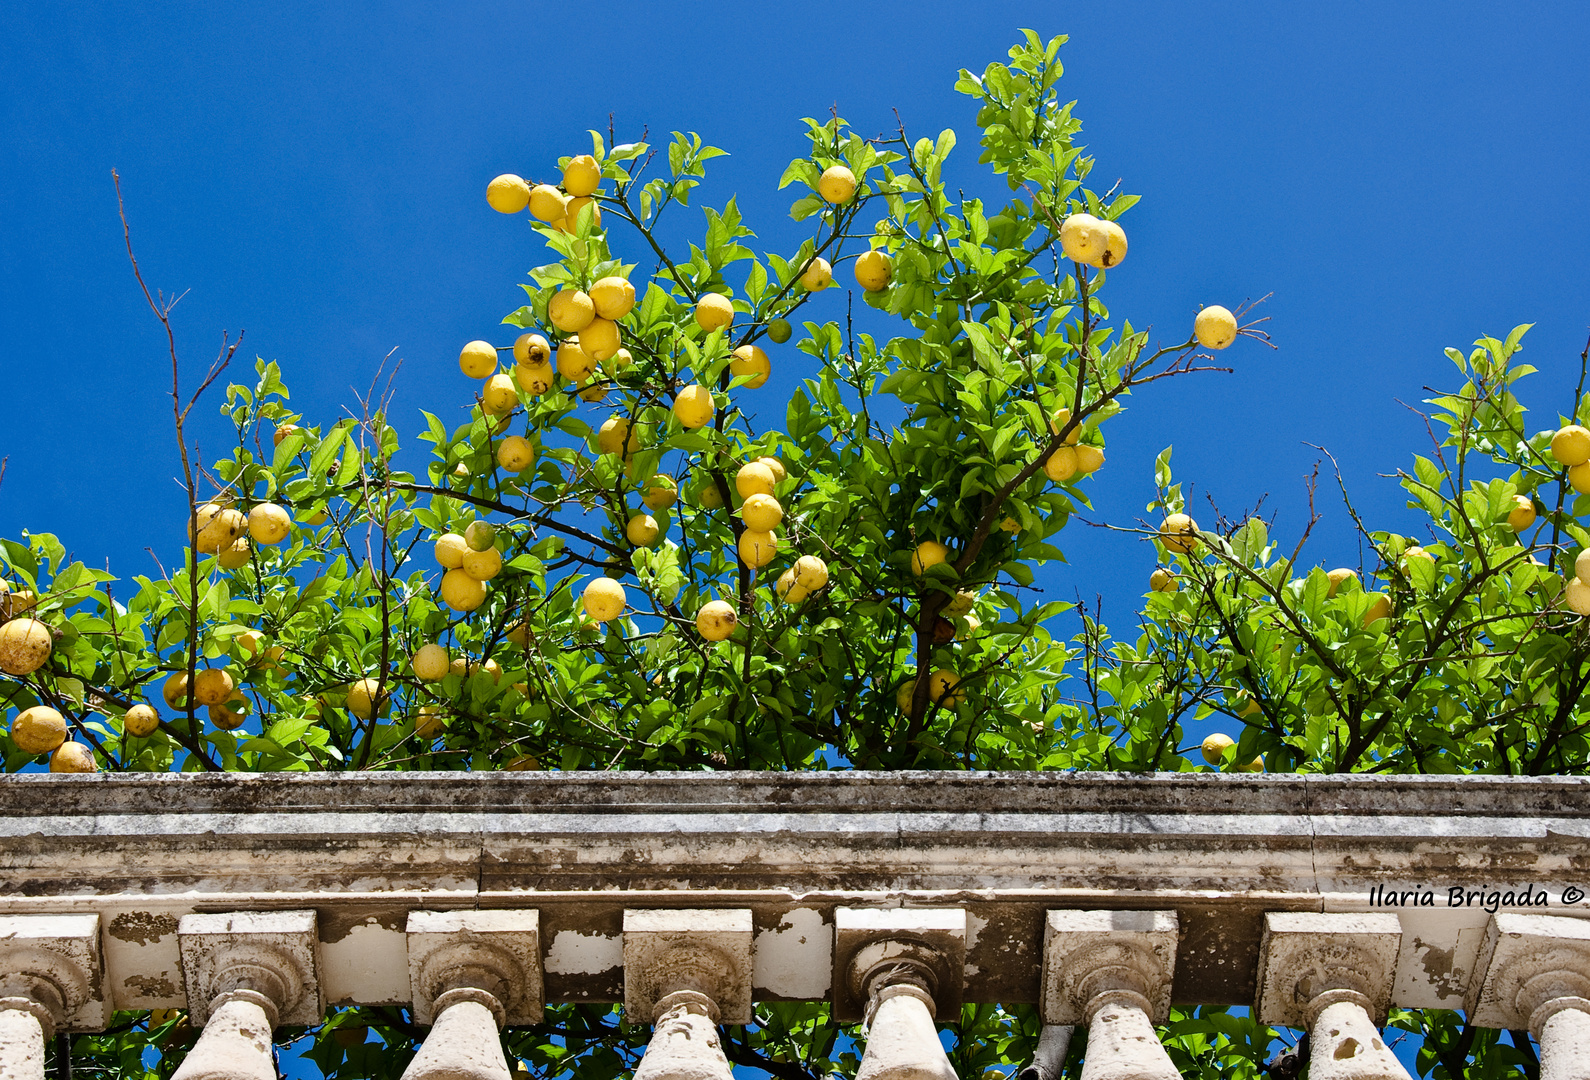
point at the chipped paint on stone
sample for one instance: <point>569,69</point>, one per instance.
<point>368,964</point>
<point>574,953</point>
<point>784,957</point>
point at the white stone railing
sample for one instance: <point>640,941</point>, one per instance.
<point>473,900</point>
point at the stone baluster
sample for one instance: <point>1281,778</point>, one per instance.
<point>1112,971</point>
<point>899,969</point>
<point>472,973</point>
<point>246,972</point>
<point>1535,974</point>
<point>50,980</point>
<point>1332,973</point>
<point>686,971</point>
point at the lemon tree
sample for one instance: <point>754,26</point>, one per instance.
<point>629,555</point>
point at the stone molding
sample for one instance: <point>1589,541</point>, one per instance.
<point>365,850</point>
<point>1526,962</point>
<point>498,952</point>
<point>923,945</point>
<point>1305,954</point>
<point>1087,953</point>
<point>708,952</point>
<point>55,961</point>
<point>271,953</point>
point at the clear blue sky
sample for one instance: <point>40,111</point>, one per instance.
<point>1401,177</point>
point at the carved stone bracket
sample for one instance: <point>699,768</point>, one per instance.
<point>1087,953</point>
<point>1526,961</point>
<point>1305,954</point>
<point>55,961</point>
<point>872,943</point>
<point>274,954</point>
<point>496,951</point>
<point>705,951</point>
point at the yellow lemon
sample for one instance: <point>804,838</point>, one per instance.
<point>613,297</point>
<point>599,339</point>
<point>1090,459</point>
<point>708,495</point>
<point>547,204</point>
<point>811,573</point>
<point>943,687</point>
<point>1577,596</point>
<point>235,556</point>
<point>573,362</point>
<point>365,698</point>
<point>508,194</point>
<point>1379,608</point>
<point>604,599</point>
<point>571,214</point>
<point>1179,532</point>
<point>1061,465</point>
<point>38,730</point>
<point>175,690</point>
<point>499,396</point>
<point>140,721</point>
<point>761,513</point>
<point>515,454</point>
<point>788,589</point>
<point>1082,238</point>
<point>837,184</point>
<point>73,757</point>
<point>716,620</point>
<point>1058,422</point>
<point>714,311</point>
<point>1114,245</point>
<point>462,592</point>
<point>642,530</point>
<point>754,478</point>
<point>429,722</point>
<point>269,523</point>
<point>757,549</point>
<point>617,436</point>
<point>1339,577</point>
<point>818,275</point>
<point>1571,445</point>
<point>212,686</point>
<point>581,175</point>
<point>774,466</point>
<point>450,550</point>
<point>478,359</point>
<point>1579,477</point>
<point>482,565</point>
<point>1215,327</point>
<point>570,310</point>
<point>1214,747</point>
<point>694,407</point>
<point>752,361</point>
<point>928,553</point>
<point>430,662</point>
<point>873,270</point>
<point>660,492</point>
<point>231,714</point>
<point>1522,515</point>
<point>531,349</point>
<point>1162,580</point>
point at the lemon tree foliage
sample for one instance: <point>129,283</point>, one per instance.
<point>630,556</point>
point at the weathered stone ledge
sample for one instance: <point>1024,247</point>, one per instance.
<point>365,850</point>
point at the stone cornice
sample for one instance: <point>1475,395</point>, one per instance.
<point>363,850</point>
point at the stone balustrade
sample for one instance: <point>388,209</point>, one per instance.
<point>472,900</point>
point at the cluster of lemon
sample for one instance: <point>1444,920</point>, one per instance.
<point>510,194</point>
<point>25,646</point>
<point>219,529</point>
<point>468,560</point>
<point>590,320</point>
